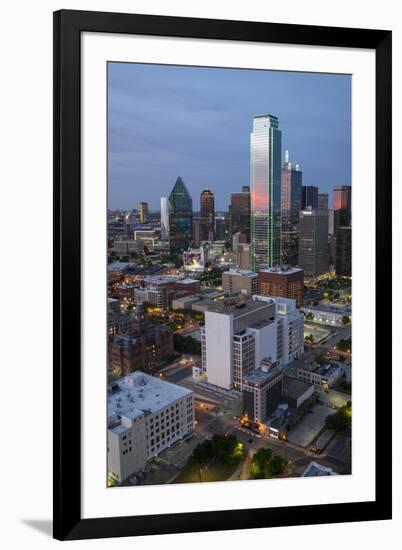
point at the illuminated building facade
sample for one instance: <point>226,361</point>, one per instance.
<point>282,282</point>
<point>265,175</point>
<point>207,212</point>
<point>290,208</point>
<point>240,213</point>
<point>342,202</point>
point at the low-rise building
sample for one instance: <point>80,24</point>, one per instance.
<point>321,375</point>
<point>144,350</point>
<point>295,392</point>
<point>314,470</point>
<point>326,315</point>
<point>145,416</point>
<point>237,281</point>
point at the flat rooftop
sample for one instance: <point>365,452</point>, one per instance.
<point>246,306</point>
<point>282,270</point>
<point>241,272</point>
<point>341,310</point>
<point>140,393</point>
<point>294,388</point>
<point>260,376</point>
<point>323,370</point>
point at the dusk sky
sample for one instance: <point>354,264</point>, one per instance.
<point>195,122</point>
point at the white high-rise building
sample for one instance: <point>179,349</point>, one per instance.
<point>236,338</point>
<point>145,416</point>
<point>164,218</point>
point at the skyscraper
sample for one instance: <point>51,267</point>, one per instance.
<point>290,208</point>
<point>343,265</point>
<point>207,213</point>
<point>180,217</point>
<point>309,196</point>
<point>342,201</point>
<point>323,201</point>
<point>265,175</point>
<point>164,218</point>
<point>240,213</point>
<point>313,241</point>
<point>144,212</point>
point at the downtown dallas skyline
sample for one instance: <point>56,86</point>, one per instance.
<point>195,122</point>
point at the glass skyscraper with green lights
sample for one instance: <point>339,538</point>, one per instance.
<point>265,177</point>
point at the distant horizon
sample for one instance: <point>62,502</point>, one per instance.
<point>168,121</point>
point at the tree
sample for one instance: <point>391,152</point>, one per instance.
<point>341,420</point>
<point>265,464</point>
<point>309,316</point>
<point>345,320</point>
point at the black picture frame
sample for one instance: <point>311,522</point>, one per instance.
<point>68,26</point>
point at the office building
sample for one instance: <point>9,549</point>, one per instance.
<point>342,202</point>
<point>313,242</point>
<point>309,196</point>
<point>222,230</point>
<point>180,217</point>
<point>238,336</point>
<point>196,233</point>
<point>207,215</point>
<point>145,416</point>
<point>243,256</point>
<point>228,346</point>
<point>284,282</point>
<point>240,213</point>
<point>265,173</point>
<point>290,208</point>
<point>261,391</point>
<point>322,201</point>
<point>144,212</point>
<point>242,281</point>
<point>290,321</point>
<point>343,264</point>
<point>164,219</point>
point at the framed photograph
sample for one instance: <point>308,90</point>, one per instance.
<point>207,176</point>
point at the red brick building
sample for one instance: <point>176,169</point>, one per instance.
<point>282,282</point>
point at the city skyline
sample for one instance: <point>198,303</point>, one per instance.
<point>203,136</point>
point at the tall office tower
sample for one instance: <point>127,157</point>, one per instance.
<point>313,242</point>
<point>240,213</point>
<point>309,196</point>
<point>144,212</point>
<point>333,224</point>
<point>180,217</point>
<point>284,282</point>
<point>222,228</point>
<point>342,201</point>
<point>265,175</point>
<point>207,213</point>
<point>343,264</point>
<point>196,233</point>
<point>323,201</point>
<point>290,208</point>
<point>164,219</point>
